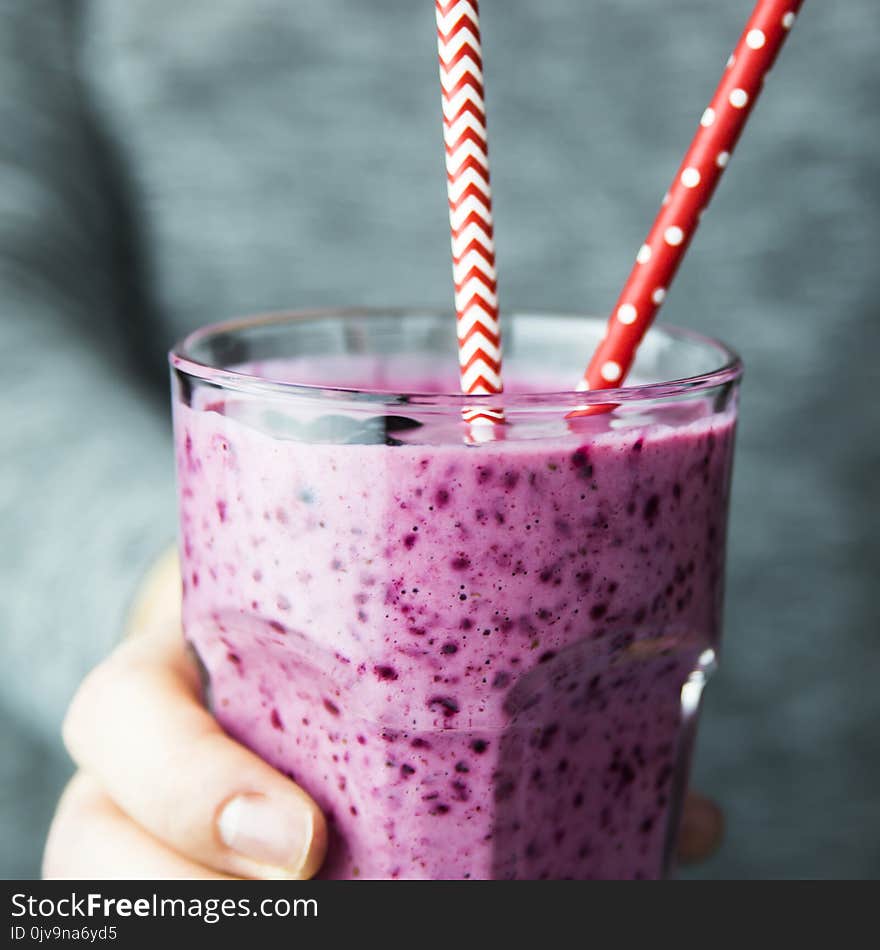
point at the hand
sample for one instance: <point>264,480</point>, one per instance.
<point>162,792</point>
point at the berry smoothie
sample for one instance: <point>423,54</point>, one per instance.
<point>482,661</point>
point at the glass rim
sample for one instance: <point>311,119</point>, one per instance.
<point>181,360</point>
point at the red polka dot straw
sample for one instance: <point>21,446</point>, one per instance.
<point>470,202</point>
<point>663,251</point>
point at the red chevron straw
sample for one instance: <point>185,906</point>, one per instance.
<point>664,248</point>
<point>470,202</point>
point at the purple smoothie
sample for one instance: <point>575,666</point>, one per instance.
<point>472,657</point>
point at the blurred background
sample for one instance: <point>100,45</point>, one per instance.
<point>166,163</point>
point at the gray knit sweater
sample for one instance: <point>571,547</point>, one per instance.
<point>164,163</point>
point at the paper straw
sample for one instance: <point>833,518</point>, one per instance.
<point>664,248</point>
<point>470,202</point>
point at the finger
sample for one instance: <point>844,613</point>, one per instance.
<point>155,610</point>
<point>136,724</point>
<point>702,828</point>
<point>91,839</point>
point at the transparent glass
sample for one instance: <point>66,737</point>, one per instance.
<point>482,660</point>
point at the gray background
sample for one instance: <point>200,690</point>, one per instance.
<point>164,163</point>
